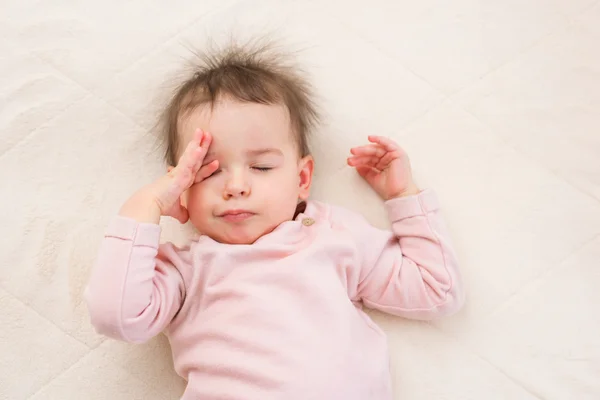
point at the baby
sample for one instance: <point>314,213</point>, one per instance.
<point>266,302</point>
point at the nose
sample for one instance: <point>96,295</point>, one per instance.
<point>236,185</point>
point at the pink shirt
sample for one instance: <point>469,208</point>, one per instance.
<point>281,318</point>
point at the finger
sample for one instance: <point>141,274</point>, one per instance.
<point>180,213</point>
<point>201,151</point>
<point>187,155</point>
<point>369,150</point>
<point>195,151</point>
<point>206,140</point>
<point>387,159</point>
<point>197,158</point>
<point>206,171</point>
<point>182,171</point>
<point>197,137</point>
<point>359,160</point>
<point>387,143</point>
<point>196,140</point>
<point>366,172</point>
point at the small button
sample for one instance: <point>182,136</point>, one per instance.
<point>308,221</point>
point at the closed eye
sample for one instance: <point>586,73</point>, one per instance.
<point>262,169</point>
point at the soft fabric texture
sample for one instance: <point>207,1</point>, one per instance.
<point>280,318</point>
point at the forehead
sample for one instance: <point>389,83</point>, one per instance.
<point>234,124</point>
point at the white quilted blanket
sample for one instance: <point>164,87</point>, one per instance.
<point>497,103</point>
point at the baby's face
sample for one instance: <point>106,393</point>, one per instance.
<point>260,178</point>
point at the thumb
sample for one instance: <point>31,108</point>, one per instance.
<point>179,212</point>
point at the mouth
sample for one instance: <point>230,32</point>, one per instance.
<point>236,215</point>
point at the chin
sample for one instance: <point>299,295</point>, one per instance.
<point>241,234</point>
<point>238,238</point>
<point>242,241</point>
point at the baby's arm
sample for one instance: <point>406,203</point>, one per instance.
<point>410,271</point>
<point>136,289</point>
<point>132,295</point>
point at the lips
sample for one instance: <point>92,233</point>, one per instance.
<point>236,215</point>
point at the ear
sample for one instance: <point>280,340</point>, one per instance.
<point>306,167</point>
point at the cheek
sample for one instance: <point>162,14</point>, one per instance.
<point>197,195</point>
<point>280,186</point>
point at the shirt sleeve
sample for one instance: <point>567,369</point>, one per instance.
<point>134,290</point>
<point>410,270</point>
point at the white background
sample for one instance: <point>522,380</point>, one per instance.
<point>496,102</point>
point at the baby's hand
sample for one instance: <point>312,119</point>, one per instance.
<point>385,166</point>
<point>189,170</point>
<point>163,196</point>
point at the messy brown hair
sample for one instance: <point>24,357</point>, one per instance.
<point>252,73</point>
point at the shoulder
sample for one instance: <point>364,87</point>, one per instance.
<point>336,216</point>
